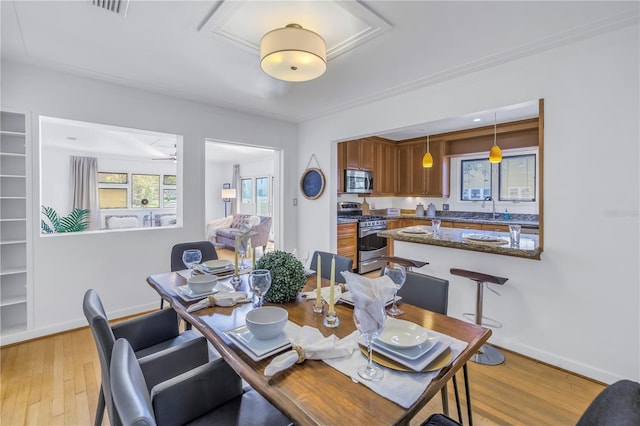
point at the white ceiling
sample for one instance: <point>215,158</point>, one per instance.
<point>178,47</point>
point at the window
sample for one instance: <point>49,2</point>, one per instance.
<point>515,178</point>
<point>247,190</point>
<point>169,180</point>
<point>105,177</point>
<point>518,178</point>
<point>112,198</point>
<point>262,196</point>
<point>145,187</point>
<point>475,179</point>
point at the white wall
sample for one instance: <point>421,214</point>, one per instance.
<point>578,307</point>
<point>117,263</point>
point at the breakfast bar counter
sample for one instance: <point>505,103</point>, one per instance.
<point>467,239</point>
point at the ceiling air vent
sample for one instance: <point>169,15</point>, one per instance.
<point>116,6</point>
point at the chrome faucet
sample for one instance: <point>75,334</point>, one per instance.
<point>493,202</point>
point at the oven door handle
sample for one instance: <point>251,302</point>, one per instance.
<point>367,232</point>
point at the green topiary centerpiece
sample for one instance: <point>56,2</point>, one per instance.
<point>287,276</point>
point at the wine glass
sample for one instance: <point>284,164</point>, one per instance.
<point>398,275</point>
<point>190,258</point>
<point>302,256</point>
<point>259,282</point>
<point>370,322</point>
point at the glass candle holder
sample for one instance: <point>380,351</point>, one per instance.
<point>331,320</point>
<point>318,306</point>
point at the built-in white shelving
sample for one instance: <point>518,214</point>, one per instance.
<point>13,223</point>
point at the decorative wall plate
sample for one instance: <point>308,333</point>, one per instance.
<point>312,183</point>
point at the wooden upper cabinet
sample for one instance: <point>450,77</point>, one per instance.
<point>433,176</point>
<point>384,168</point>
<point>359,154</point>
<point>410,171</point>
<point>342,165</point>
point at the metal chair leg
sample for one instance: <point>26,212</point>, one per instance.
<point>455,391</point>
<point>161,303</point>
<point>465,373</point>
<point>445,400</point>
<point>100,408</point>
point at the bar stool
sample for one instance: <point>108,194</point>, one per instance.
<point>487,354</point>
<point>407,263</point>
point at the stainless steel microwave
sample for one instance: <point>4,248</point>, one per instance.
<point>358,181</point>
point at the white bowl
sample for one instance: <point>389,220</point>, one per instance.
<point>202,283</point>
<point>267,322</point>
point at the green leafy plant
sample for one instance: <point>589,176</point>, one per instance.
<point>78,220</point>
<point>287,276</point>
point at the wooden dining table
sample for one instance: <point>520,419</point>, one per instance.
<point>314,393</point>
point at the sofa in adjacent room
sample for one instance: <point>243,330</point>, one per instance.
<point>222,232</point>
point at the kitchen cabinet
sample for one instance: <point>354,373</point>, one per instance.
<point>384,169</point>
<point>413,179</point>
<point>495,228</point>
<point>342,165</point>
<point>360,154</point>
<point>14,227</point>
<point>348,241</point>
<point>464,225</point>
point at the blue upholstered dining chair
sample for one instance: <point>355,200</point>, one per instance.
<point>343,263</point>
<point>154,337</point>
<point>207,394</point>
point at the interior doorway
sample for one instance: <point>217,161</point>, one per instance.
<point>254,173</point>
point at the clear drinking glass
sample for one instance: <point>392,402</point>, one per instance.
<point>243,248</point>
<point>369,322</point>
<point>435,226</point>
<point>190,258</point>
<point>398,275</point>
<point>259,282</point>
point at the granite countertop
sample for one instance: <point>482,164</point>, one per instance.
<point>526,220</point>
<point>459,238</point>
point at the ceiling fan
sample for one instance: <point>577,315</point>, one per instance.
<point>172,157</point>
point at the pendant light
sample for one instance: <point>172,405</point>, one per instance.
<point>495,155</point>
<point>427,159</point>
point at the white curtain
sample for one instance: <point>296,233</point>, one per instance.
<point>235,183</point>
<point>84,187</point>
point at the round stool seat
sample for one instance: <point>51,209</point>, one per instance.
<point>407,263</point>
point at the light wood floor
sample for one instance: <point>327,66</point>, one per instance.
<point>55,380</point>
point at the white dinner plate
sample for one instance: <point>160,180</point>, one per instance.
<point>403,334</point>
<point>185,293</point>
<point>483,238</point>
<point>261,349</point>
<point>216,264</point>
<point>417,364</point>
<point>416,230</point>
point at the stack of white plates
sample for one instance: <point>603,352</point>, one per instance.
<point>261,349</point>
<point>409,344</point>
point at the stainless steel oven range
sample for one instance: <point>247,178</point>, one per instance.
<point>370,246</point>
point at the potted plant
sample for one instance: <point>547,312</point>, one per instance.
<point>287,276</point>
<point>77,221</point>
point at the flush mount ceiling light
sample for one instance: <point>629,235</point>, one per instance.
<point>495,155</point>
<point>293,54</point>
<point>427,159</point>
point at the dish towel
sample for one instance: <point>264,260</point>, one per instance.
<point>311,344</point>
<point>369,298</point>
<point>220,299</point>
<point>403,388</point>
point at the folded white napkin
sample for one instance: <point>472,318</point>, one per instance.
<point>369,299</point>
<point>403,388</point>
<point>223,298</point>
<point>311,344</point>
<point>324,291</point>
